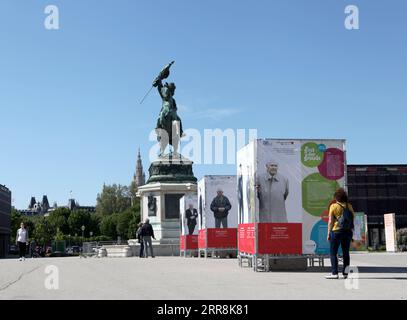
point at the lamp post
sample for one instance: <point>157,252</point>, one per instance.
<point>83,232</point>
<point>91,233</point>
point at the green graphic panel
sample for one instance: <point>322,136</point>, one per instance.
<point>311,156</point>
<point>317,193</point>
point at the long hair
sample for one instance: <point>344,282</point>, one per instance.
<point>340,195</point>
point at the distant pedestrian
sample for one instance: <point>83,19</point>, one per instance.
<point>147,233</point>
<point>22,240</point>
<point>340,232</point>
<point>140,239</point>
<point>33,246</point>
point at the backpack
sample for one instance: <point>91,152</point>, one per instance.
<point>138,235</point>
<point>345,221</point>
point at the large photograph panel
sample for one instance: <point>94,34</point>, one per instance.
<point>220,204</point>
<point>278,181</point>
<point>189,214</point>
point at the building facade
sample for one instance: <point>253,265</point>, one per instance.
<point>377,190</point>
<point>43,208</point>
<point>5,220</point>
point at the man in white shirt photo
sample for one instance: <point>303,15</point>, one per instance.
<point>272,192</point>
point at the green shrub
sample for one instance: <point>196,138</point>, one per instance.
<point>402,236</point>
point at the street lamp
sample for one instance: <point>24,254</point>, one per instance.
<point>83,231</point>
<point>91,233</point>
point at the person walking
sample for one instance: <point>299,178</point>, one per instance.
<point>147,233</point>
<point>340,232</point>
<point>140,239</point>
<point>33,245</point>
<point>22,240</point>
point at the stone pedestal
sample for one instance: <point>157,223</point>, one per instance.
<point>170,179</point>
<point>160,204</point>
<point>118,251</point>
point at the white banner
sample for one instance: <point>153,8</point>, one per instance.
<point>217,202</point>
<point>390,231</point>
<point>189,214</point>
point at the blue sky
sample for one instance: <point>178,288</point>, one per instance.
<point>69,98</point>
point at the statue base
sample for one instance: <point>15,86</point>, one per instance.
<point>160,203</point>
<point>171,168</point>
<point>171,177</point>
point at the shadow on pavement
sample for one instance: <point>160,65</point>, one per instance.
<point>364,269</point>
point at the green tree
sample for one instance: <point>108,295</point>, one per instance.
<point>16,219</point>
<point>30,226</point>
<point>128,220</point>
<point>113,199</point>
<point>58,219</point>
<point>135,220</point>
<point>94,224</point>
<point>77,219</point>
<point>59,236</point>
<point>123,223</point>
<point>43,232</point>
<point>108,226</point>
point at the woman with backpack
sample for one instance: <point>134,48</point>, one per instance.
<point>340,232</point>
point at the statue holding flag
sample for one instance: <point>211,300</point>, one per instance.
<point>169,125</point>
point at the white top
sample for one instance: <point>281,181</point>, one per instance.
<point>22,235</point>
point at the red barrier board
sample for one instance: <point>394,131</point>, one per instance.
<point>279,238</point>
<point>202,239</point>
<point>188,242</point>
<point>222,238</point>
<point>247,237</point>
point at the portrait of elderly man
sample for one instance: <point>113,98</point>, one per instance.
<point>220,207</point>
<point>272,192</point>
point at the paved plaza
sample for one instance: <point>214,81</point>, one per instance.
<point>381,276</point>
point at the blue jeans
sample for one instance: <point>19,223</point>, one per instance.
<point>141,254</point>
<point>343,239</point>
<point>148,244</point>
<point>221,221</point>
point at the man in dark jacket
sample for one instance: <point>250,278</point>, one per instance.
<point>220,207</point>
<point>147,233</point>
<point>191,214</point>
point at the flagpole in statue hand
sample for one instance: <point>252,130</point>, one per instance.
<point>165,72</point>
